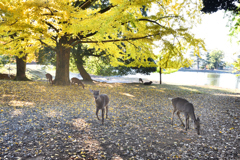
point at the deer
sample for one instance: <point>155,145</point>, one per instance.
<point>147,83</point>
<point>76,80</point>
<point>102,101</point>
<point>7,76</point>
<point>49,78</point>
<point>182,105</point>
<point>140,80</point>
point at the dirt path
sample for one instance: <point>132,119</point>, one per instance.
<point>40,121</point>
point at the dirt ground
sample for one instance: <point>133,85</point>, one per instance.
<point>40,121</point>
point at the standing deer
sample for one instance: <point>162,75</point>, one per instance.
<point>182,105</point>
<point>76,80</point>
<point>7,76</point>
<point>49,78</point>
<point>102,101</point>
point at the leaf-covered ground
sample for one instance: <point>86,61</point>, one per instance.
<point>41,121</point>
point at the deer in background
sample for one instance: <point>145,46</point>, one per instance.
<point>140,80</point>
<point>147,83</point>
<point>102,101</point>
<point>182,105</point>
<point>49,78</point>
<point>7,76</point>
<point>76,80</point>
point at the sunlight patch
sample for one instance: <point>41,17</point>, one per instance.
<point>127,94</point>
<point>16,103</point>
<point>53,113</point>
<point>80,123</point>
<point>223,94</point>
<point>190,89</point>
<point>41,88</point>
<point>16,112</point>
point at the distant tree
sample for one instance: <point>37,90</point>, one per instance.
<point>198,59</point>
<point>216,58</point>
<point>4,59</point>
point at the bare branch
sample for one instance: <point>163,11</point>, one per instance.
<point>45,44</point>
<point>114,40</point>
<point>168,17</point>
<point>52,26</point>
<point>87,4</point>
<point>106,9</point>
<point>149,20</point>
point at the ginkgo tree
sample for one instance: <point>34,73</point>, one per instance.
<point>119,29</point>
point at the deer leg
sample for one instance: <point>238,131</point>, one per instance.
<point>97,113</point>
<point>178,114</point>
<point>187,121</point>
<point>103,115</point>
<point>106,111</point>
<point>173,115</point>
<point>82,84</point>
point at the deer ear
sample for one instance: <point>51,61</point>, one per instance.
<point>91,90</point>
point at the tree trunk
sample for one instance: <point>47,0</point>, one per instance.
<point>62,66</point>
<point>21,69</point>
<point>83,72</point>
<point>160,73</point>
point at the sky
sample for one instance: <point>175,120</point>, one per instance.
<point>214,31</point>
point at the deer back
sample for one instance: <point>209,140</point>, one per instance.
<point>102,101</point>
<point>49,76</point>
<point>184,106</point>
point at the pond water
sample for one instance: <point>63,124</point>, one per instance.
<point>224,80</point>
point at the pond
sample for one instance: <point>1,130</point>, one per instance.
<point>224,80</point>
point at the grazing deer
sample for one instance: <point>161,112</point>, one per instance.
<point>147,83</point>
<point>49,78</point>
<point>76,80</point>
<point>140,80</point>
<point>7,76</point>
<point>102,101</point>
<point>182,105</point>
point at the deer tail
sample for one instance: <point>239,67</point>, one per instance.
<point>170,99</point>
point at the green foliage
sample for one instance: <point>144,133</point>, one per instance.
<point>5,59</point>
<point>72,65</point>
<point>237,66</point>
<point>216,58</point>
<point>46,56</point>
<point>101,66</point>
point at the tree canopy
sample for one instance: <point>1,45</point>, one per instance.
<point>211,6</point>
<point>119,29</point>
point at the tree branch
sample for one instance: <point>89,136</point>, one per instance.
<point>106,9</point>
<point>50,25</point>
<point>168,17</point>
<point>45,44</point>
<point>87,4</point>
<point>149,20</point>
<point>114,40</point>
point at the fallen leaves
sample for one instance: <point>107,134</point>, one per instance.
<point>40,120</point>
